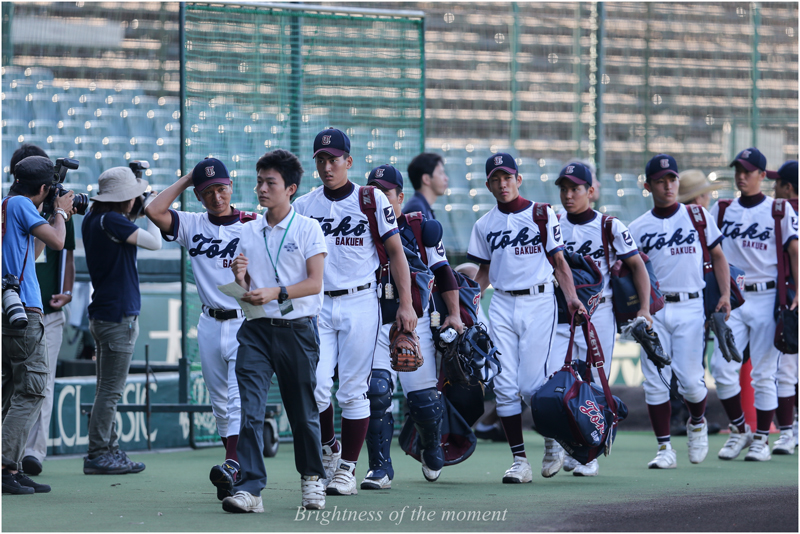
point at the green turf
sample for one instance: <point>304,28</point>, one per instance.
<point>174,494</point>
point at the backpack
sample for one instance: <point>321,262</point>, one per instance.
<point>586,277</point>
<point>421,276</point>
<point>624,296</point>
<point>711,292</point>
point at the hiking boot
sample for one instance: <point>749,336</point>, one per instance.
<point>105,464</point>
<point>133,467</point>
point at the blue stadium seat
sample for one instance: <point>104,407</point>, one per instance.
<point>15,106</point>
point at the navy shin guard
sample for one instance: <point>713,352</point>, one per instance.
<point>381,424</point>
<point>426,409</point>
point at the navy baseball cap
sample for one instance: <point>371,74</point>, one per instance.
<point>387,177</point>
<point>334,142</point>
<point>210,171</point>
<point>659,166</point>
<point>787,173</point>
<point>577,173</point>
<point>501,162</point>
<point>751,159</point>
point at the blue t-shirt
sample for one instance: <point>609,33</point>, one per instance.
<point>112,266</point>
<point>19,219</point>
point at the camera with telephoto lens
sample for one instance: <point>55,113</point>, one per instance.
<point>79,202</point>
<point>12,304</point>
<point>138,205</point>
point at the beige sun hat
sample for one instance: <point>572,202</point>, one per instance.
<point>119,184</point>
<point>694,183</point>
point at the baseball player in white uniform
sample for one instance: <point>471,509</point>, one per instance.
<point>582,231</point>
<point>667,235</point>
<point>786,188</point>
<point>751,245</point>
<point>350,317</point>
<point>419,387</point>
<point>516,260</point>
<point>211,238</point>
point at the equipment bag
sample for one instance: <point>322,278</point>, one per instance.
<point>421,276</point>
<point>580,415</point>
<point>711,293</point>
<point>786,319</point>
<point>458,440</point>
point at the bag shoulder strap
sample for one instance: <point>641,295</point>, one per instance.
<point>723,205</point>
<point>5,204</point>
<point>607,236</point>
<point>27,243</point>
<point>778,212</point>
<point>595,358</point>
<point>414,220</point>
<point>366,201</point>
<point>540,219</point>
<point>698,219</point>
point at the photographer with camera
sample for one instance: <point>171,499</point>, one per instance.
<point>111,239</point>
<point>25,362</point>
<point>55,271</point>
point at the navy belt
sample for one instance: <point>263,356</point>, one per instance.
<point>285,323</point>
<point>763,286</point>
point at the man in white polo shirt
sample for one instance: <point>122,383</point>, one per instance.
<point>287,252</point>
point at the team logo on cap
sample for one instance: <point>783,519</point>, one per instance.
<point>379,173</point>
<point>664,163</point>
<point>210,171</point>
<point>570,169</point>
<point>745,154</point>
<point>326,139</point>
<point>498,160</point>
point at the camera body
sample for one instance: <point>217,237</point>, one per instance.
<point>138,166</point>
<point>81,200</point>
<point>12,303</point>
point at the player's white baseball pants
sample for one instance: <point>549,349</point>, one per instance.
<point>786,377</point>
<point>680,329</point>
<point>752,323</point>
<point>523,329</point>
<point>348,330</point>
<point>606,326</point>
<point>422,378</point>
<point>217,345</point>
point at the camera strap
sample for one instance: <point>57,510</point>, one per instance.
<point>103,226</point>
<point>28,241</point>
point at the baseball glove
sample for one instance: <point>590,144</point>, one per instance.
<point>727,345</point>
<point>648,339</point>
<point>404,350</point>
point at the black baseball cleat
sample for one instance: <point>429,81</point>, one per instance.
<point>31,465</point>
<point>223,477</point>
<point>26,482</point>
<point>11,485</point>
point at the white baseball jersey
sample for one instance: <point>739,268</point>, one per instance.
<point>586,239</point>
<point>511,244</point>
<point>352,257</point>
<point>211,248</point>
<point>674,248</point>
<point>751,238</point>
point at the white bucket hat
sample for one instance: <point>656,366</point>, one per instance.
<point>119,184</point>
<point>694,183</point>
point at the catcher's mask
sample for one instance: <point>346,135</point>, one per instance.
<point>477,355</point>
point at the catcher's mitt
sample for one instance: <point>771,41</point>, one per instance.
<point>727,345</point>
<point>648,339</point>
<point>404,350</point>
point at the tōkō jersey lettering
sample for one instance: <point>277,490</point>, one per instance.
<point>674,248</point>
<point>352,258</point>
<point>511,244</point>
<point>750,233</point>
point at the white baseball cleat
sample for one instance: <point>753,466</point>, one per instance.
<point>759,449</point>
<point>313,493</point>
<point>553,458</point>
<point>665,459</point>
<point>698,441</point>
<point>589,470</point>
<point>520,472</point>
<point>786,443</point>
<point>736,442</point>
<point>371,482</point>
<point>330,461</point>
<point>430,475</point>
<point>570,463</point>
<point>242,502</point>
<point>344,480</point>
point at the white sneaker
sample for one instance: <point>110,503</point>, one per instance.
<point>589,470</point>
<point>344,480</point>
<point>553,458</point>
<point>736,442</point>
<point>372,483</point>
<point>313,493</point>
<point>785,444</point>
<point>570,463</point>
<point>665,459</point>
<point>330,461</point>
<point>242,503</point>
<point>430,474</point>
<point>759,450</point>
<point>520,472</point>
<point>698,441</point>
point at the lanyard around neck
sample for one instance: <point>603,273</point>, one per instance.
<point>280,247</point>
